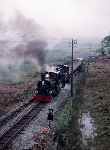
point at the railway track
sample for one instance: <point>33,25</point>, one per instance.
<point>20,122</point>
<point>13,114</point>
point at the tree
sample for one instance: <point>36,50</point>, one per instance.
<point>105,45</point>
<point>106,41</point>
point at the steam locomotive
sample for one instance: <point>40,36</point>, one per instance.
<point>51,83</point>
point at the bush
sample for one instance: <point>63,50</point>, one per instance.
<point>64,117</point>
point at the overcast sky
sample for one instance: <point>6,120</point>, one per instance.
<point>63,18</point>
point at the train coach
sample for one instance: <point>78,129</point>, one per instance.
<point>64,71</point>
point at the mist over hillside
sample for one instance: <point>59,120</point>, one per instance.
<point>62,50</point>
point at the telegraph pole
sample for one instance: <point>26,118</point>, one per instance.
<point>72,71</point>
<point>74,42</point>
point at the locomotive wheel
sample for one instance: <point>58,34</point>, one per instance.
<point>57,89</point>
<point>55,92</point>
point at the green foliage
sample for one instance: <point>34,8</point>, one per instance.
<point>105,46</point>
<point>64,117</point>
<point>102,51</point>
<point>106,41</point>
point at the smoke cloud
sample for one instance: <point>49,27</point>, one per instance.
<point>22,47</point>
